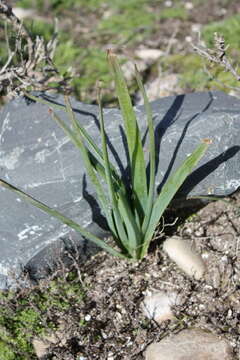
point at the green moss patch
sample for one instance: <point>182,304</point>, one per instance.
<point>30,313</point>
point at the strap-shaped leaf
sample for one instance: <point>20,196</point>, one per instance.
<point>135,148</point>
<point>121,232</point>
<point>134,234</point>
<point>152,153</point>
<point>93,161</point>
<point>171,187</point>
<point>83,133</point>
<point>63,219</point>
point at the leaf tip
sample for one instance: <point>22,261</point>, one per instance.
<point>207,141</point>
<point>111,54</point>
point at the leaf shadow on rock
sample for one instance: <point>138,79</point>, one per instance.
<point>170,118</point>
<point>203,171</point>
<point>97,216</point>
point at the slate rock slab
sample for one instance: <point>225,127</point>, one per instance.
<point>190,344</point>
<point>36,156</point>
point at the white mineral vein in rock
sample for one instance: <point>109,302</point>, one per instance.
<point>37,184</point>
<point>4,270</point>
<point>29,230</point>
<point>41,155</point>
<point>185,256</point>
<point>10,160</point>
<point>233,183</point>
<point>5,126</point>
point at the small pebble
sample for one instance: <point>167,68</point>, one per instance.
<point>87,317</point>
<point>158,305</point>
<point>185,256</point>
<point>193,344</point>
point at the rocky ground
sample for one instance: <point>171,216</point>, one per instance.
<point>116,326</point>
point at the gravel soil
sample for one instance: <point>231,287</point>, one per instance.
<point>110,324</point>
<point>116,325</point>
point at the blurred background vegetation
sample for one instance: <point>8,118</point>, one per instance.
<point>87,28</point>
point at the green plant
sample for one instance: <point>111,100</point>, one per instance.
<point>133,214</point>
<point>229,28</point>
<point>176,12</point>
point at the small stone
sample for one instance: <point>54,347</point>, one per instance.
<point>184,255</point>
<point>196,27</point>
<point>161,86</point>
<point>21,13</point>
<point>41,346</point>
<point>149,55</point>
<point>188,39</point>
<point>190,344</point>
<point>189,5</point>
<point>168,3</point>
<point>129,68</point>
<point>157,306</point>
<point>87,317</point>
<point>110,356</point>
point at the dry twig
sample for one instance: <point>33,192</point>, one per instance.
<point>217,55</point>
<point>30,60</point>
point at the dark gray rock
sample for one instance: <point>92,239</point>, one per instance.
<point>37,157</point>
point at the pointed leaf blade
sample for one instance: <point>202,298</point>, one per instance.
<point>121,235</point>
<point>62,218</point>
<point>135,148</point>
<point>171,187</point>
<point>152,152</point>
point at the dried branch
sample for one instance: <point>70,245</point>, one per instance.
<point>30,59</point>
<point>217,55</point>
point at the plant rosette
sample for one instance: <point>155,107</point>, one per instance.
<point>134,213</point>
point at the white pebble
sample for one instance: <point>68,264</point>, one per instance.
<point>196,27</point>
<point>188,5</point>
<point>185,256</point>
<point>87,317</point>
<point>188,38</point>
<point>168,3</point>
<point>23,13</point>
<point>158,306</point>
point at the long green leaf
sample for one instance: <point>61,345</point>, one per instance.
<point>135,237</point>
<point>122,235</point>
<point>171,187</point>
<point>136,154</point>
<point>93,147</point>
<point>90,159</point>
<point>63,219</point>
<point>152,153</point>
